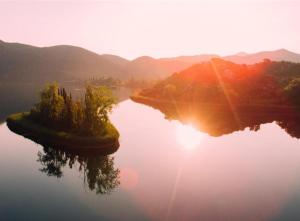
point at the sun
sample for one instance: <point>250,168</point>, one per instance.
<point>188,137</point>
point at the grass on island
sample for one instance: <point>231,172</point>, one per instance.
<point>23,125</point>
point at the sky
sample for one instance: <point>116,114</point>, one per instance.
<point>132,28</point>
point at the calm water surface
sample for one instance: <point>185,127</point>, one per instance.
<point>164,171</point>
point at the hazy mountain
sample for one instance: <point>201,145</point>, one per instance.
<point>148,67</point>
<point>20,62</point>
<point>242,57</point>
<point>191,59</point>
<point>26,63</point>
<point>278,55</point>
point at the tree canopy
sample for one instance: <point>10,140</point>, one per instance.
<point>88,115</point>
<point>221,81</point>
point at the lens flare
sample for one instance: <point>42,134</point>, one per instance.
<point>188,137</point>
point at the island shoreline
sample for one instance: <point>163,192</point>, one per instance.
<point>21,124</point>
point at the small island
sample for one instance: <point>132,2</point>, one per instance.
<point>77,124</point>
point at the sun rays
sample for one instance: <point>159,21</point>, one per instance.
<point>188,137</point>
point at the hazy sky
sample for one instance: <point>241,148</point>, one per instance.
<point>155,28</point>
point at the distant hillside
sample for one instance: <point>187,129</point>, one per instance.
<point>20,62</point>
<point>150,68</point>
<point>28,63</point>
<point>278,55</point>
<point>239,58</point>
<point>219,81</point>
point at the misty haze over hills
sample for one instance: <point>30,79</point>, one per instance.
<point>20,62</point>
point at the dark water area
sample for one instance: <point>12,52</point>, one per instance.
<point>163,170</point>
<point>16,97</point>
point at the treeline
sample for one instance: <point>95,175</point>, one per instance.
<point>220,81</point>
<point>138,84</point>
<point>113,83</point>
<point>106,81</point>
<point>58,109</point>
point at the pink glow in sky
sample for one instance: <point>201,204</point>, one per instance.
<point>155,28</point>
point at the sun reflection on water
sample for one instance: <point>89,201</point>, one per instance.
<point>188,137</point>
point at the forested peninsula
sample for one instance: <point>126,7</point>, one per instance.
<point>267,85</point>
<point>220,97</point>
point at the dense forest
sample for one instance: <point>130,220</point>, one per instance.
<point>57,109</point>
<point>221,82</point>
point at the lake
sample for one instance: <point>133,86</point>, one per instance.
<point>163,170</point>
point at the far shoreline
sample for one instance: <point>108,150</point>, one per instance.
<point>207,106</point>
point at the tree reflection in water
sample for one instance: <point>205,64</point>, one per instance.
<point>217,119</point>
<point>98,170</point>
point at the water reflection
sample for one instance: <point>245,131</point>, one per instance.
<point>217,120</point>
<point>188,137</point>
<point>242,176</point>
<point>98,171</point>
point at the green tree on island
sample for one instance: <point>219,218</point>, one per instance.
<point>98,104</point>
<point>56,109</point>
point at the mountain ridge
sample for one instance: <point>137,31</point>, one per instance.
<point>22,62</point>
